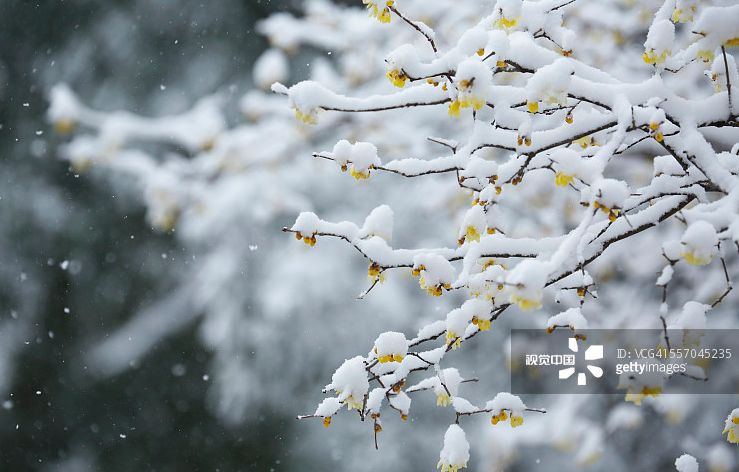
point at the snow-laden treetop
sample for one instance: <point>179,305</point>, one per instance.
<point>523,85</point>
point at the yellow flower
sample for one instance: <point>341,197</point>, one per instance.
<point>308,118</point>
<point>390,358</point>
<point>450,467</point>
<point>481,52</point>
<point>471,234</point>
<point>562,179</point>
<point>472,101</point>
<point>524,303</point>
<point>397,78</point>
<point>168,220</point>
<point>382,15</point>
<point>488,263</point>
<point>64,126</point>
<point>374,272</point>
<point>482,325</point>
<point>80,166</point>
<point>705,55</point>
<point>584,142</point>
<point>353,403</point>
<point>653,57</point>
<point>360,174</point>
<point>533,107</point>
<point>695,259</point>
<point>309,240</point>
<point>506,23</point>
<point>327,422</point>
<point>516,421</point>
<point>732,43</point>
<point>465,101</point>
<point>733,437</point>
<point>443,399</point>
<point>681,16</point>
<point>454,338</point>
<point>454,108</point>
<point>434,290</point>
<point>637,397</point>
<point>502,416</point>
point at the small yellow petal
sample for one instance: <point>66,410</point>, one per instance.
<point>454,108</point>
<point>562,180</point>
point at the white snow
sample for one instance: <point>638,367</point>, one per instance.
<point>391,343</point>
<point>456,450</point>
<point>402,402</point>
<point>700,241</point>
<point>378,223</point>
<point>611,193</point>
<point>328,407</point>
<point>571,317</point>
<point>506,401</point>
<point>272,66</point>
<point>456,322</point>
<point>686,463</point>
<point>350,381</point>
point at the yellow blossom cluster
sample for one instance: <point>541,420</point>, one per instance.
<point>482,324</point>
<point>502,416</point>
<point>506,23</point>
<point>466,99</point>
<point>374,272</point>
<point>307,118</point>
<point>562,179</point>
<point>732,427</point>
<point>636,397</point>
<point>397,77</point>
<point>382,13</point>
<point>435,290</point>
<point>651,56</point>
<point>611,212</point>
<point>309,240</point>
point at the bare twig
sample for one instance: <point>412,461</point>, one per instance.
<point>413,25</point>
<point>728,80</point>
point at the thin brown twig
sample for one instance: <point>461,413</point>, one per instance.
<point>415,27</point>
<point>728,81</point>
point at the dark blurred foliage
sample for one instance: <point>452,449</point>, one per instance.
<point>146,56</point>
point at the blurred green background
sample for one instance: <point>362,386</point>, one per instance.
<point>150,57</point>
